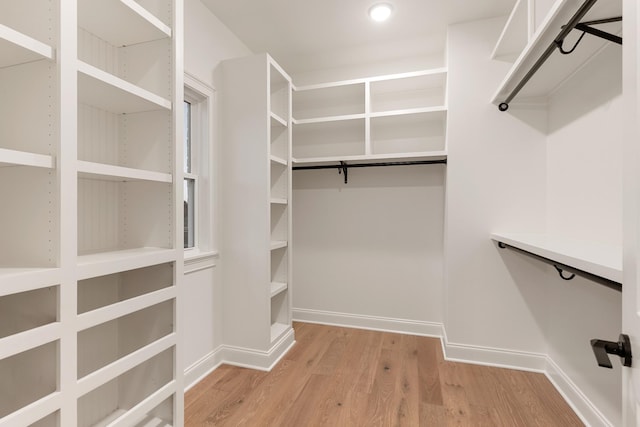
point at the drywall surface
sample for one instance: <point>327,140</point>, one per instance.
<point>584,190</point>
<point>207,42</point>
<point>496,181</point>
<point>372,248</point>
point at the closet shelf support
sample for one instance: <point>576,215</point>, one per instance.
<point>563,268</point>
<point>343,167</point>
<point>574,23</point>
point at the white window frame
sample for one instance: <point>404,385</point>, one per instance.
<point>202,99</point>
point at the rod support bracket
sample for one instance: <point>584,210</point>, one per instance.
<point>344,169</point>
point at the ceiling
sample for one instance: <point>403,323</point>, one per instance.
<point>310,34</point>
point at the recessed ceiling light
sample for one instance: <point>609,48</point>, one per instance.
<point>380,12</point>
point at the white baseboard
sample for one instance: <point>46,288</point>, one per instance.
<point>256,359</point>
<point>402,326</point>
<point>203,367</point>
<point>582,406</point>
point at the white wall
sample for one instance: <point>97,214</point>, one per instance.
<point>584,190</point>
<point>370,249</point>
<point>207,42</point>
<point>555,169</point>
<point>495,182</point>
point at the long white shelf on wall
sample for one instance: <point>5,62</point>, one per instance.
<point>34,412</point>
<point>30,339</point>
<point>601,261</point>
<point>135,23</point>
<point>515,34</point>
<point>373,158</point>
<point>103,263</point>
<point>558,67</point>
<point>101,171</point>
<point>101,89</point>
<point>18,48</point>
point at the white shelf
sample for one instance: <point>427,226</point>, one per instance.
<point>103,263</point>
<point>138,414</point>
<point>558,68</point>
<point>372,158</point>
<point>123,308</point>
<point>279,120</point>
<point>600,260</point>
<point>17,48</point>
<point>277,288</point>
<point>13,280</point>
<point>515,34</point>
<point>135,23</point>
<point>328,119</point>
<point>440,111</point>
<point>33,412</point>
<point>103,90</point>
<point>278,329</point>
<point>23,158</point>
<point>91,170</point>
<point>278,244</point>
<point>278,201</point>
<point>279,160</point>
<point>30,339</point>
<point>122,365</point>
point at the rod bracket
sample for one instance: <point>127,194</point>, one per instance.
<point>561,273</point>
<point>344,169</point>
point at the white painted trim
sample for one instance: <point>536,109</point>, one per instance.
<point>203,367</point>
<point>581,405</point>
<point>197,261</point>
<point>384,324</point>
<point>260,360</point>
<point>497,357</point>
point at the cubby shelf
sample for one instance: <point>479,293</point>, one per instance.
<point>135,23</point>
<point>138,414</point>
<point>23,158</point>
<point>123,308</point>
<point>279,120</point>
<point>515,34</point>
<point>277,288</point>
<point>278,329</point>
<point>103,263</point>
<point>558,68</point>
<point>103,375</point>
<point>18,48</point>
<point>33,412</point>
<point>13,280</point>
<point>103,90</point>
<point>278,244</point>
<point>30,339</point>
<point>599,260</point>
<point>380,118</point>
<point>91,170</point>
<point>278,201</point>
<point>279,160</point>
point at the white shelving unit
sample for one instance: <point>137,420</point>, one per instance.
<point>395,117</point>
<point>91,253</point>
<point>599,260</point>
<point>258,218</point>
<point>558,68</point>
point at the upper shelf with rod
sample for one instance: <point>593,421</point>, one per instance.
<point>549,58</point>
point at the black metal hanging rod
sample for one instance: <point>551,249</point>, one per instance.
<point>562,268</point>
<point>557,43</point>
<point>343,167</point>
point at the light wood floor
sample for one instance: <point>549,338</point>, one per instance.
<point>349,377</point>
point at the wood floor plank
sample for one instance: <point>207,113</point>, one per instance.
<point>337,377</point>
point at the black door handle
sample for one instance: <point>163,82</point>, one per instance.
<point>622,348</point>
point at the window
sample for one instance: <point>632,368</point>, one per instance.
<point>197,166</point>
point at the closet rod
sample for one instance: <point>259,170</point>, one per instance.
<point>561,268</point>
<point>557,44</point>
<point>343,167</point>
